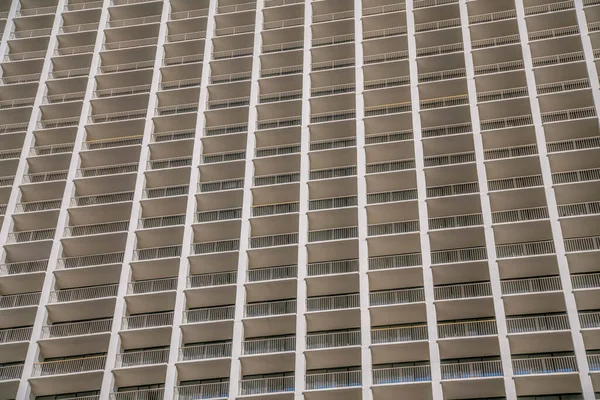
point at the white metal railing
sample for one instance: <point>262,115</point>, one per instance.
<point>524,214</point>
<point>119,23</point>
<point>436,25</point>
<point>67,51</point>
<point>205,351</point>
<point>570,210</point>
<point>399,296</point>
<point>75,28</point>
<point>280,71</point>
<point>332,89</point>
<point>589,320</point>
<point>228,103</point>
<point>515,183</point>
<point>15,335</point>
<point>121,91</point>
<point>511,152</point>
<point>117,116</point>
<point>502,94</point>
<point>274,209</point>
<point>333,380</point>
<point>455,221</point>
<point>448,159</point>
<point>331,340</point>
<point>180,84</point>
<point>70,366</point>
<point>332,267</point>
<point>418,373</point>
<point>79,294</point>
<point>329,303</point>
<point>393,228</point>
<point>389,166</point>
<point>544,365</point>
<point>226,129</point>
<point>388,8</point>
<point>107,69</point>
<point>23,267</point>
<point>11,372</point>
<point>28,55</point>
<point>218,215</point>
<point>95,229</point>
<point>567,115</point>
<point>442,75</point>
<point>468,370</point>
<point>165,191</point>
<point>152,286</point>
<point>173,135</point>
<point>144,321</point>
<point>550,7</point>
<point>496,41</point>
<point>576,176</point>
<point>19,300</point>
<point>234,30</point>
<point>176,109</point>
<point>432,3</point>
<point>272,273</point>
<point>276,179</point>
<point>438,50</point>
<point>166,163</point>
<point>28,12</point>
<point>278,3</point>
<point>333,64</point>
<point>453,190</point>
<point>90,261</point>
<point>399,334</point>
<point>234,53</point>
<point>334,202</point>
<point>117,197</point>
<point>162,221</point>
<point>226,78</point>
<point>458,255</point>
<point>467,329</point>
<point>332,173</point>
<point>266,385</point>
<point>284,23</point>
<point>336,16</point>
<point>573,144</point>
<point>272,308</point>
<point>395,261</point>
<point>76,328</point>
<point>558,59</point>
<point>45,176</point>
<point>525,249</point>
<point>30,236</point>
<point>251,5</point>
<point>329,40</point>
<point>146,357</point>
<point>68,73</point>
<point>203,12</point>
<point>127,44</point>
<point>106,170</point>
<point>142,394</point>
<point>506,122</point>
<point>463,291</point>
<point>492,17</point>
<point>391,197</point>
<point>333,234</point>
<point>216,186</point>
<point>215,247</point>
<point>531,285</point>
<point>538,323</point>
<point>83,6</point>
<point>212,279</point>
<point>63,98</point>
<point>57,123</point>
<point>279,96</point>
<point>278,123</point>
<point>211,314</point>
<point>112,142</point>
<point>9,80</point>
<point>269,345</point>
<point>156,253</point>
<point>585,281</point>
<point>286,46</point>
<point>30,33</point>
<point>219,390</point>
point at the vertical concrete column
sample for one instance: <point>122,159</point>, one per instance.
<point>588,52</point>
<point>114,344</point>
<point>434,351</point>
<point>240,297</point>
<point>557,236</point>
<point>188,232</point>
<point>486,209</point>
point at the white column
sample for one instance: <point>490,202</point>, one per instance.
<point>588,52</point>
<point>361,192</point>
<point>188,233</point>
<point>486,209</point>
<point>41,315</point>
<point>563,266</point>
<point>434,351</point>
<point>240,298</point>
<point>114,344</point>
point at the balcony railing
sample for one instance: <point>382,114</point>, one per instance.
<point>182,60</point>
<point>235,53</point>
<point>173,135</point>
<point>573,144</point>
<point>390,166</point>
<point>502,94</point>
<point>67,51</point>
<point>332,340</point>
<point>236,8</point>
<point>496,41</point>
<point>279,123</point>
<point>107,69</point>
<point>112,142</point>
<point>160,222</point>
<point>399,334</point>
<point>228,103</point>
<point>212,314</point>
<point>156,253</point>
<point>393,228</point>
<point>217,186</point>
<point>96,229</point>
<point>218,215</point>
<point>332,380</point>
<point>279,96</point>
<point>332,16</point>
<point>93,260</point>
<point>116,197</point>
<point>214,279</point>
<point>137,358</point>
<point>119,23</point>
<point>9,80</point>
<point>285,23</point>
<point>142,394</point>
<point>266,385</point>
<point>217,390</point>
<point>205,351</point>
<point>584,175</point>
<point>567,115</point>
<point>395,261</point>
<point>551,7</point>
<point>277,47</point>
<point>63,98</point>
<point>24,267</point>
<point>176,109</point>
<point>106,170</point>
<point>399,296</point>
<point>469,370</point>
<point>37,206</point>
<point>333,234</point>
<point>126,44</point>
<point>165,191</point>
<point>152,286</point>
<point>432,3</point>
<point>15,335</point>
<point>525,249</point>
<point>542,323</point>
<point>226,129</point>
<point>492,17</point>
<point>121,91</point>
<point>215,247</point>
<point>453,190</point>
<point>72,366</point>
<point>68,73</point>
<point>334,64</point>
<point>281,71</point>
<point>458,255</point>
<point>188,14</point>
<point>532,285</point>
<point>117,116</point>
<point>511,152</point>
<point>80,294</point>
<point>455,221</point>
<point>558,59</point>
<point>30,236</point>
<point>83,6</point>
<point>35,11</point>
<point>276,179</point>
<point>234,30</point>
<point>334,202</point>
<point>75,28</point>
<point>330,173</point>
<point>383,9</point>
<point>525,214</point>
<point>11,372</point>
<point>516,183</point>
<point>330,303</point>
<point>268,309</point>
<point>57,123</point>
<point>167,163</point>
<point>76,329</point>
<point>269,345</point>
<point>589,320</point>
<point>467,329</point>
<point>226,78</point>
<point>272,273</point>
<point>180,84</point>
<point>145,321</point>
<point>274,209</point>
<point>386,376</point>
<point>19,300</point>
<point>333,116</point>
<point>392,197</point>
<point>586,281</point>
<point>464,291</point>
<point>30,33</point>
<point>544,365</point>
<point>332,267</point>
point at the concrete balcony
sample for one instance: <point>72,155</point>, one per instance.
<point>140,367</point>
<point>136,394</point>
<point>534,295</point>
<point>95,229</point>
<point>263,388</point>
<point>13,343</point>
<point>77,374</point>
<point>471,300</point>
<point>401,343</point>
<point>150,330</point>
<point>334,385</point>
<point>82,303</point>
<point>413,382</point>
<point>539,334</point>
<point>585,289</point>
<point>218,390</point>
<point>270,283</point>
<point>30,236</point>
<point>546,375</point>
<point>480,378</point>
<point>270,318</point>
<point>397,306</point>
<point>10,377</point>
<point>468,339</point>
<point>336,349</point>
<point>268,355</point>
<point>79,331</point>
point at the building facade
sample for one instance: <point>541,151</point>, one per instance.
<point>295,199</point>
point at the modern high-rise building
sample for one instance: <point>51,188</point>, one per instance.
<point>296,199</point>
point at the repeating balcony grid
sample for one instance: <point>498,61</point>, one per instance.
<point>356,199</point>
